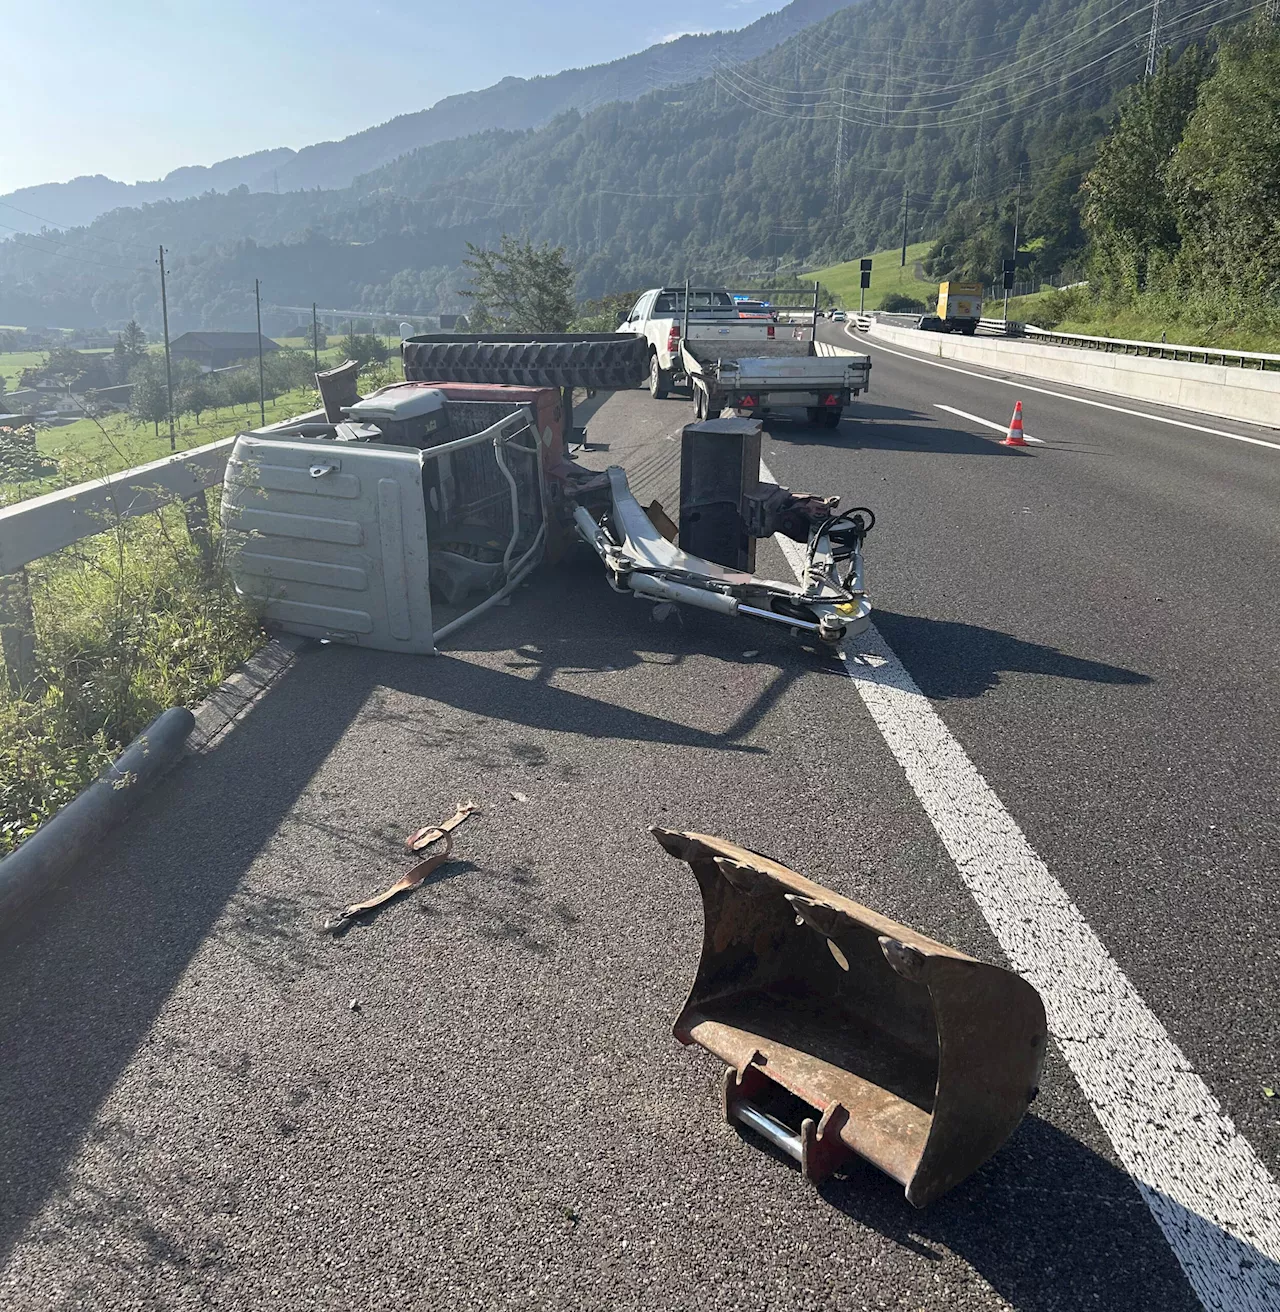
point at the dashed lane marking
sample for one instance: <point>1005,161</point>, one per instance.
<point>1079,400</point>
<point>986,423</point>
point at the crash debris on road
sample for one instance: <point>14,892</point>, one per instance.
<point>390,521</point>
<point>849,1035</point>
<point>419,841</point>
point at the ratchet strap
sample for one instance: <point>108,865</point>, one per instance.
<point>418,841</point>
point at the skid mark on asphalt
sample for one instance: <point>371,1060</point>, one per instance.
<point>1211,1195</point>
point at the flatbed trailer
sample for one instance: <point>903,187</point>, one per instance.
<point>738,366</point>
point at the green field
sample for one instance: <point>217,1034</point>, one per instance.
<point>12,363</point>
<point>84,450</point>
<point>887,275</point>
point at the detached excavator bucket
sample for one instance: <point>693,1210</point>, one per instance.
<point>848,1033</point>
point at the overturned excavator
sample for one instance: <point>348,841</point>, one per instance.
<point>389,521</point>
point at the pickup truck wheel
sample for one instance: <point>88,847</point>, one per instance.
<point>831,418</point>
<point>659,379</point>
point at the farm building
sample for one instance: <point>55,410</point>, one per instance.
<point>217,350</point>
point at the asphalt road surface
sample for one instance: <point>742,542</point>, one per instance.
<point>474,1099</point>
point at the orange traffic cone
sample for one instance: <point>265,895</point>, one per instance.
<point>1015,437</point>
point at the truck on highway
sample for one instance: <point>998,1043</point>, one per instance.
<point>959,309</point>
<point>696,337</point>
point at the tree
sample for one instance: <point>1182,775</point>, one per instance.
<point>525,288</point>
<point>194,396</point>
<point>1224,177</point>
<point>134,341</point>
<point>1128,211</point>
<point>364,348</point>
<point>149,399</point>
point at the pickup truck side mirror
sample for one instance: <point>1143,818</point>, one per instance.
<point>623,317</point>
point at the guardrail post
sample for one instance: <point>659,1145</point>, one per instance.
<point>195,512</point>
<point>17,629</point>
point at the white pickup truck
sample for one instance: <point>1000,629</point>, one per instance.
<point>698,336</point>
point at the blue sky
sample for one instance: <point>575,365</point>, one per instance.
<point>135,88</point>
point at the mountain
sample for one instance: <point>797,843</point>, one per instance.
<point>514,103</point>
<point>959,112</point>
<point>80,201</point>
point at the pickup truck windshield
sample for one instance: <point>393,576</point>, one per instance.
<point>673,302</point>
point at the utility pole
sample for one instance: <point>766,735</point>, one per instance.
<point>977,155</point>
<point>904,223</point>
<point>1017,223</point>
<point>1017,213</point>
<point>315,338</point>
<point>839,178</point>
<point>168,365</point>
<point>262,377</point>
<point>1153,41</point>
<point>888,87</point>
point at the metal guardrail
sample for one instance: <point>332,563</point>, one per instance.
<point>1159,350</point>
<point>1222,355</point>
<point>39,526</point>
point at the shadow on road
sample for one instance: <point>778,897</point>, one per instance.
<point>950,659</point>
<point>1025,1219</point>
<point>84,973</point>
<point>888,428</point>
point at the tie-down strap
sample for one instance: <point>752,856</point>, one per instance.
<point>416,842</point>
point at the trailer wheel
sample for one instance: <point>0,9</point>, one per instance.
<point>699,403</point>
<point>659,379</point>
<point>814,414</point>
<point>831,418</point>
<point>713,412</point>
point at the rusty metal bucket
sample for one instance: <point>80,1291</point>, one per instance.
<point>847,1033</point>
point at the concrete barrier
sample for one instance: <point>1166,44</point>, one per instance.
<point>1208,389</point>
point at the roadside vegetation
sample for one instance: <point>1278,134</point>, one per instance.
<point>889,278</point>
<point>127,624</point>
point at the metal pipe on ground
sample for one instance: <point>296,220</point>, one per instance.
<point>71,835</point>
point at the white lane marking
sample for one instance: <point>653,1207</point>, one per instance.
<point>1210,1194</point>
<point>986,423</point>
<point>1080,400</point>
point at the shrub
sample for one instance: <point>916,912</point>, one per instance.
<point>127,624</point>
<point>900,303</point>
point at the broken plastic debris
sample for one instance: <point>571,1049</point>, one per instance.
<point>750,655</point>
<point>519,797</point>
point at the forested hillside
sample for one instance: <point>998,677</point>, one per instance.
<point>958,112</point>
<point>514,103</point>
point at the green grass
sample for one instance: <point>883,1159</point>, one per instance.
<point>887,275</point>
<point>12,363</point>
<point>84,450</point>
<point>1131,325</point>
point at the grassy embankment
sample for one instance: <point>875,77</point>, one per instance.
<point>1074,312</point>
<point>887,276</point>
